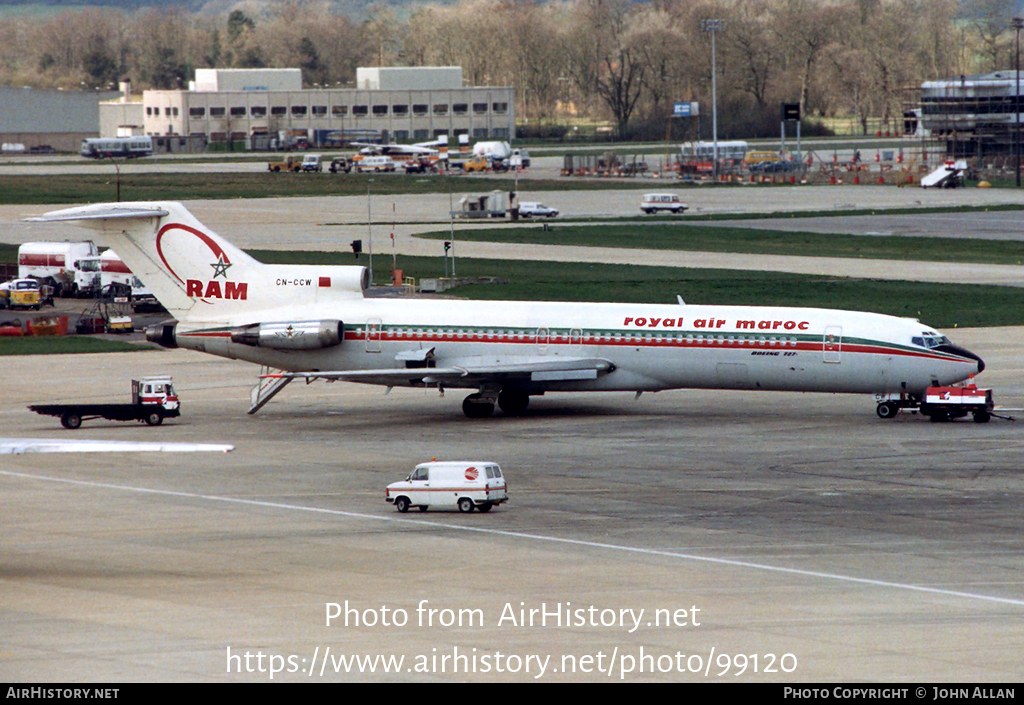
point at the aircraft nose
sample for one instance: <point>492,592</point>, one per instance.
<point>963,352</point>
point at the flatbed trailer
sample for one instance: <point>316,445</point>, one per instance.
<point>72,415</point>
<point>153,400</point>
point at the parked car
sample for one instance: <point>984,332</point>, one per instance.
<point>774,167</point>
<point>340,164</point>
<point>530,209</point>
<point>420,165</point>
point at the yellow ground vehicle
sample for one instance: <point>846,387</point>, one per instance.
<point>293,162</point>
<point>477,163</point>
<point>753,158</point>
<point>20,293</point>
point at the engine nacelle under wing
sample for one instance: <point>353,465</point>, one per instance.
<point>291,335</point>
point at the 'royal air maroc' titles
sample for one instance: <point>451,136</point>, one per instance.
<point>714,323</point>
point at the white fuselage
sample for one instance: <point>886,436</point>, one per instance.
<point>313,321</point>
<point>652,347</point>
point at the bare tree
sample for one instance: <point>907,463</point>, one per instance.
<point>618,59</point>
<point>752,43</point>
<point>532,42</point>
<point>666,57</point>
<point>805,28</point>
<point>604,57</point>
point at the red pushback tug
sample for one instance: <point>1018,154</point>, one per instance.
<point>153,399</point>
<point>945,403</point>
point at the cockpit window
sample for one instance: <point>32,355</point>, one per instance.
<point>930,340</point>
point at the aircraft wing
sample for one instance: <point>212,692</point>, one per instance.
<point>367,148</point>
<point>394,149</point>
<point>470,373</point>
<point>18,446</point>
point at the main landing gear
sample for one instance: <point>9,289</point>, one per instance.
<point>481,405</point>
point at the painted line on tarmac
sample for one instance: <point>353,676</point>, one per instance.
<point>532,537</point>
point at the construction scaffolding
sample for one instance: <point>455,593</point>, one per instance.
<point>970,117</point>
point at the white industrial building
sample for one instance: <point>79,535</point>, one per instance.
<point>257,108</point>
<point>38,117</point>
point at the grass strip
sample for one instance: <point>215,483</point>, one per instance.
<point>706,238</point>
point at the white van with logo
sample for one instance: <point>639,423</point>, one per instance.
<point>462,484</point>
<point>375,164</point>
<point>654,202</point>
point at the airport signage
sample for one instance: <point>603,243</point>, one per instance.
<point>686,109</point>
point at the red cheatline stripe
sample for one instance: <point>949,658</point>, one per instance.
<point>448,489</point>
<point>707,344</point>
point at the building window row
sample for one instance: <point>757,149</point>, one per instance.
<point>978,105</point>
<point>320,111</point>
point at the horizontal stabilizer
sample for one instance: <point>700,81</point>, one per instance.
<point>100,212</point>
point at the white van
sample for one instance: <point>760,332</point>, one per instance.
<point>375,164</point>
<point>464,484</point>
<point>312,162</point>
<point>654,202</point>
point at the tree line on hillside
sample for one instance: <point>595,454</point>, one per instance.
<point>570,62</point>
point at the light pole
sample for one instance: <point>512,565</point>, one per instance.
<point>369,227</point>
<point>713,26</point>
<point>1018,24</point>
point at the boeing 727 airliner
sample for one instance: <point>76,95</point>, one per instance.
<point>313,322</point>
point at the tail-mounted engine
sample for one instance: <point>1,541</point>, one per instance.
<point>162,334</point>
<point>294,335</point>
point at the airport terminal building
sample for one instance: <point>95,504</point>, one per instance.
<point>267,108</point>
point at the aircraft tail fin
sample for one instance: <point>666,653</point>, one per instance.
<point>182,262</point>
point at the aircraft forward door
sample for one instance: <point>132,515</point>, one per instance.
<point>832,345</point>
